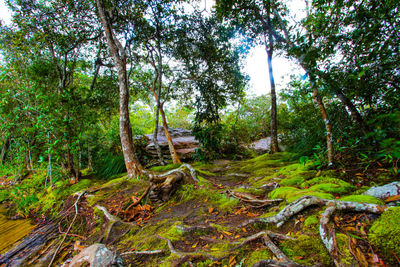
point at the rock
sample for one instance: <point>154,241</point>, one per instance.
<point>385,191</point>
<point>185,144</point>
<point>261,146</point>
<point>97,255</point>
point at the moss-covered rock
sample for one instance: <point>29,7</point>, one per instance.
<point>384,234</point>
<point>283,192</point>
<point>363,199</point>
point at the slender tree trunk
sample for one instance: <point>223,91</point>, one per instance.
<point>270,51</point>
<point>328,126</point>
<point>355,115</point>
<point>4,150</point>
<point>89,165</point>
<point>174,155</point>
<point>158,97</point>
<point>133,166</point>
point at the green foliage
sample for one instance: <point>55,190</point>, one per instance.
<point>385,235</point>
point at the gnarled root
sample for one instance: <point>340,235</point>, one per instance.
<point>255,202</point>
<point>162,186</point>
<point>112,220</point>
<point>327,233</point>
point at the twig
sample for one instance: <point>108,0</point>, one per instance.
<point>61,232</point>
<point>69,228</point>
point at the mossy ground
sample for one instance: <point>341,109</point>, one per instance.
<point>207,205</point>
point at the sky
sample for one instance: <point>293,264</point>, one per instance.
<point>255,64</point>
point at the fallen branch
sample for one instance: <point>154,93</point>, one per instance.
<point>69,227</point>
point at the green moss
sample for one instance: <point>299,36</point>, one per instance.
<point>306,249</point>
<point>165,168</point>
<point>328,180</point>
<point>302,193</point>
<point>283,192</point>
<point>311,222</point>
<point>189,192</point>
<point>254,191</point>
<point>363,199</point>
<point>384,234</point>
<point>297,180</point>
<point>329,188</point>
<point>205,172</point>
<point>345,255</point>
<point>174,232</point>
<point>256,255</point>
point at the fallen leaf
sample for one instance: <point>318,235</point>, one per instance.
<point>195,245</point>
<point>244,230</point>
<point>392,198</point>
<point>227,233</point>
<point>210,210</point>
<point>221,236</point>
<point>237,236</point>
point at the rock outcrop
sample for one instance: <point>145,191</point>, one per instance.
<point>185,144</point>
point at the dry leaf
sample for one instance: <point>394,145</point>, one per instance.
<point>244,230</point>
<point>227,233</point>
<point>210,210</point>
<point>195,245</point>
<point>392,198</point>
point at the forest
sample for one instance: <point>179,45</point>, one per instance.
<point>129,136</point>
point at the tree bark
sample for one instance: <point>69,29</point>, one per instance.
<point>270,50</point>
<point>133,166</point>
<point>174,155</point>
<point>4,150</point>
<point>328,126</point>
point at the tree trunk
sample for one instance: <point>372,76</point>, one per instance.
<point>132,163</point>
<point>172,151</point>
<point>328,126</point>
<point>174,155</point>
<point>4,150</point>
<point>158,98</point>
<point>355,115</point>
<point>270,50</point>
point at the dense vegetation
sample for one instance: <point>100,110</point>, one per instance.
<point>82,81</point>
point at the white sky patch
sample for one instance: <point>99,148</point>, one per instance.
<point>5,14</point>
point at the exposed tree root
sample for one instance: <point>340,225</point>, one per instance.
<point>252,200</point>
<point>140,199</point>
<point>267,235</point>
<point>162,186</point>
<point>146,252</point>
<point>327,232</point>
<point>69,227</point>
<point>112,220</point>
<point>189,254</point>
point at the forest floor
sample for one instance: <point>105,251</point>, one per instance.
<point>218,221</point>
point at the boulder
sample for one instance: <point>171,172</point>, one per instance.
<point>261,146</point>
<point>97,255</point>
<point>185,144</point>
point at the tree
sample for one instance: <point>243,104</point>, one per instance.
<point>119,55</point>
